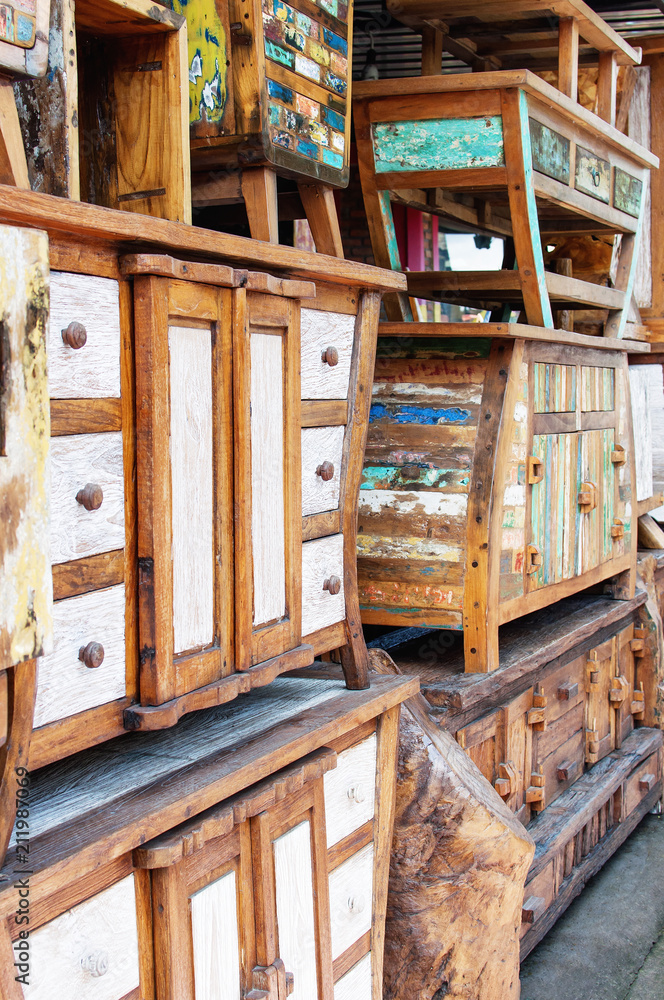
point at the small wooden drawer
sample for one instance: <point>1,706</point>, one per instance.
<point>639,784</point>
<point>350,790</point>
<point>356,984</point>
<point>93,369</point>
<point>79,461</point>
<point>89,952</point>
<point>327,348</point>
<point>538,895</point>
<point>564,689</point>
<point>322,572</point>
<point>67,684</point>
<point>322,449</point>
<point>351,900</point>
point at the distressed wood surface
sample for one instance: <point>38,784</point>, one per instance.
<point>25,584</point>
<point>322,559</point>
<point>295,908</point>
<point>69,952</point>
<point>356,984</point>
<point>321,444</point>
<point>192,498</point>
<point>94,369</point>
<point>65,685</point>
<point>76,461</point>
<point>640,377</point>
<point>320,330</point>
<point>214,930</point>
<point>24,42</point>
<point>351,893</point>
<point>350,791</point>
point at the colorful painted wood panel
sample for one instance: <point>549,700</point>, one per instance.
<point>447,144</point>
<point>304,126</point>
<point>597,389</point>
<point>210,80</point>
<point>554,388</point>
<point>24,36</point>
<point>513,534</point>
<point>551,151</point>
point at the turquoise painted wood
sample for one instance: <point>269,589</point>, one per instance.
<point>593,175</point>
<point>449,144</point>
<point>627,192</point>
<point>551,151</point>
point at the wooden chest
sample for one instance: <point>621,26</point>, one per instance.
<point>498,478</point>
<point>267,868</point>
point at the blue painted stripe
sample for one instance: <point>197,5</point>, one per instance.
<point>335,41</point>
<point>332,159</point>
<point>400,414</point>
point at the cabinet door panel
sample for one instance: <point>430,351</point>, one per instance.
<point>350,790</point>
<point>351,895</point>
<point>214,927</point>
<point>554,507</point>
<point>356,984</point>
<point>295,909</point>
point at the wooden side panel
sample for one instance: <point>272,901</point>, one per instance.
<point>597,388</point>
<point>554,505</point>
<point>268,528</point>
<point>600,717</point>
<point>216,945</point>
<point>591,469</point>
<point>295,909</point>
<point>639,386</point>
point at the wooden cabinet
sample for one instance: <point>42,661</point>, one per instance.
<point>498,478</point>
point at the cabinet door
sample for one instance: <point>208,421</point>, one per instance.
<point>268,471</point>
<point>600,716</point>
<point>554,518</point>
<point>184,477</point>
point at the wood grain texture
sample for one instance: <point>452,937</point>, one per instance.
<point>351,896</point>
<point>319,445</point>
<point>191,442</point>
<point>85,416</point>
<point>639,385</point>
<point>17,703</point>
<point>350,791</point>
<point>214,930</point>
<point>69,952</point>
<point>91,573</point>
<point>75,461</point>
<point>356,984</point>
<point>320,330</point>
<point>295,908</point>
<point>322,559</point>
<point>65,685</point>
<point>94,369</point>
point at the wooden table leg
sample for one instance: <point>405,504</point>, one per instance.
<point>259,190</point>
<point>21,691</point>
<point>321,211</point>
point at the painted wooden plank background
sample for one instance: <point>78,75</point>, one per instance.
<point>554,388</point>
<point>448,144</point>
<point>597,388</point>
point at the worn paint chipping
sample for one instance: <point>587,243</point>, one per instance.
<point>448,144</point>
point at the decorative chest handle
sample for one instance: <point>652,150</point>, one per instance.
<point>75,335</point>
<point>356,904</point>
<point>356,793</point>
<point>533,559</point>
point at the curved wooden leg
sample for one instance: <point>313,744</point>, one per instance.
<point>21,691</point>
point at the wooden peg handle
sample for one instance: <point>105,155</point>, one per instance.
<point>92,655</point>
<point>91,496</point>
<point>332,585</point>
<point>75,335</point>
<point>326,471</point>
<point>330,356</point>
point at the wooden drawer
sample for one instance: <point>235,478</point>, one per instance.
<point>640,783</point>
<point>93,370</point>
<point>564,688</point>
<point>65,685</point>
<point>321,331</point>
<point>322,563</point>
<point>89,952</point>
<point>537,898</point>
<point>356,984</point>
<point>322,449</point>
<point>351,895</point>
<point>76,461</point>
<point>350,791</point>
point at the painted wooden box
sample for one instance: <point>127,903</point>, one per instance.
<point>498,478</point>
<point>270,84</point>
<point>249,860</point>
<point>540,164</point>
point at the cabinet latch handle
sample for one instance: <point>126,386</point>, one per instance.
<point>587,497</point>
<point>533,559</point>
<point>535,470</point>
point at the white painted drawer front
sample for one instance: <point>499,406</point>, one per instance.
<point>65,685</point>
<point>356,984</point>
<point>91,371</point>
<point>320,445</point>
<point>321,330</point>
<point>350,790</point>
<point>77,460</point>
<point>295,909</point>
<point>216,942</point>
<point>351,898</point>
<point>89,952</point>
<point>322,560</point>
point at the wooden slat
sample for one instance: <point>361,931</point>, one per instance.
<point>85,416</point>
<point>511,331</point>
<point>506,285</point>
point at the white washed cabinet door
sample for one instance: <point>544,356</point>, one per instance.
<point>267,477</point>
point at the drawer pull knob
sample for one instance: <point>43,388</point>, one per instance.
<point>333,585</point>
<point>357,903</point>
<point>330,356</point>
<point>75,335</point>
<point>92,655</point>
<point>96,963</point>
<point>356,793</point>
<point>568,691</point>
<point>325,471</point>
<point>91,496</point>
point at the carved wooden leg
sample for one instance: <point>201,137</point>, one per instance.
<point>259,190</point>
<point>318,202</point>
<point>21,691</point>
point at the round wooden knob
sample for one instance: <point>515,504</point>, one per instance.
<point>330,356</point>
<point>92,655</point>
<point>96,963</point>
<point>91,496</point>
<point>326,471</point>
<point>333,585</point>
<point>356,903</point>
<point>356,793</point>
<point>75,335</point>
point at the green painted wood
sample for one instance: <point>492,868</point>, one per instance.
<point>608,493</point>
<point>442,348</point>
<point>592,175</point>
<point>550,151</point>
<point>449,144</point>
<point>388,227</point>
<point>627,193</point>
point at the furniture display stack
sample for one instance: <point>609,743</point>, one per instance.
<point>499,503</point>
